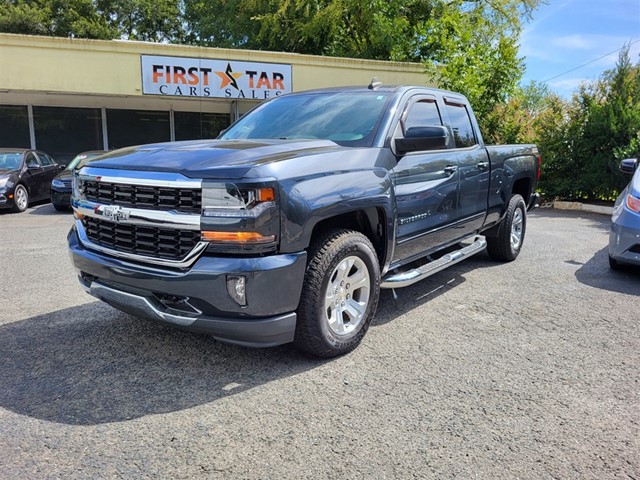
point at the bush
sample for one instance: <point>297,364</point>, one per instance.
<point>581,141</point>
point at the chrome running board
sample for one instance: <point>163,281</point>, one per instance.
<point>409,277</point>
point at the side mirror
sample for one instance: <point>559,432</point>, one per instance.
<point>418,139</point>
<point>33,166</point>
<point>629,165</point>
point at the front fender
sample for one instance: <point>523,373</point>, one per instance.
<point>308,201</point>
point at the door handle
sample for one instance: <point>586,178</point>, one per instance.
<point>450,169</point>
<point>482,165</point>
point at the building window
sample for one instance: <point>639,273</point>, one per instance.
<point>196,126</point>
<point>15,126</point>
<point>64,132</point>
<point>137,127</point>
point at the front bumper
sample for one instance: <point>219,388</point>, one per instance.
<point>60,197</point>
<point>624,237</point>
<point>6,199</point>
<point>199,298</point>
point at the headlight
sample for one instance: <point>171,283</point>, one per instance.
<point>75,185</point>
<point>633,203</point>
<point>229,197</point>
<point>57,183</point>
<point>3,182</point>
<point>240,218</point>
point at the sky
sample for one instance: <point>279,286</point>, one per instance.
<point>565,34</point>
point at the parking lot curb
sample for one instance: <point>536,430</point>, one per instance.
<point>585,207</point>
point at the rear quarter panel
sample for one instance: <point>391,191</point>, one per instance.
<point>509,164</point>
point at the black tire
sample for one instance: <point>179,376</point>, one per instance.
<point>18,204</point>
<point>501,247</point>
<point>61,208</point>
<point>614,264</point>
<point>316,332</point>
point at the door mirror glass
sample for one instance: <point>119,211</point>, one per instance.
<point>417,139</point>
<point>629,165</point>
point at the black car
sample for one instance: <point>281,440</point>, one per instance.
<point>61,184</point>
<point>25,176</point>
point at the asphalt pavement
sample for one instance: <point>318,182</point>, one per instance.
<point>522,370</point>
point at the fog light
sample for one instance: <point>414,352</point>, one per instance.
<point>236,288</point>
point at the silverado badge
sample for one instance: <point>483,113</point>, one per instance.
<point>115,213</point>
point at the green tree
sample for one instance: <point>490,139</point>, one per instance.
<point>582,140</point>
<point>147,20</point>
<point>472,47</point>
<point>60,18</point>
<point>515,120</point>
<point>609,122</point>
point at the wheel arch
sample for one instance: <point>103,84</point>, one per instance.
<point>522,187</point>
<point>371,222</point>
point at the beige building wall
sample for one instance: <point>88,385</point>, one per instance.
<point>66,95</point>
<point>79,72</point>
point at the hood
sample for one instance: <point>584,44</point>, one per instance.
<point>212,158</point>
<point>65,175</point>
<point>4,172</point>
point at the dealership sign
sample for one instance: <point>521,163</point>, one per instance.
<point>199,77</point>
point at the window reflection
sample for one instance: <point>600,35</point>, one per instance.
<point>64,132</point>
<point>15,126</point>
<point>137,127</point>
<point>196,125</point>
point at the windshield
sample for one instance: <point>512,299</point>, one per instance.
<point>347,118</point>
<point>78,158</point>
<point>10,161</point>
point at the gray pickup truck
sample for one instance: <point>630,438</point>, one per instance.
<point>286,227</point>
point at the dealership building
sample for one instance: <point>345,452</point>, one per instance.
<point>65,96</point>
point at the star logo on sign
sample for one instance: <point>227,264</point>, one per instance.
<point>229,77</point>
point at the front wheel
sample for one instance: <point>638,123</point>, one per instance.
<point>506,246</point>
<point>20,199</point>
<point>339,295</point>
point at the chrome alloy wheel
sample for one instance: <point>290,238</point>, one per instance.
<point>21,198</point>
<point>516,229</point>
<point>347,295</point>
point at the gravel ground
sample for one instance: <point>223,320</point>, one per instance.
<point>486,370</point>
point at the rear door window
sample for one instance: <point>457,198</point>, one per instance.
<point>45,159</point>
<point>461,126</point>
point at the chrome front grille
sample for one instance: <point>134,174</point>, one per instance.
<point>143,196</point>
<point>148,241</point>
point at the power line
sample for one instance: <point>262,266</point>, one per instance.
<point>594,60</point>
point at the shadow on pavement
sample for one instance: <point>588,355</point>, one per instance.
<point>596,220</point>
<point>41,207</point>
<point>47,209</point>
<point>91,364</point>
<point>597,273</point>
<point>426,290</point>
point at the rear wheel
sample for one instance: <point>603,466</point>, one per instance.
<point>340,294</point>
<point>20,199</point>
<point>506,246</point>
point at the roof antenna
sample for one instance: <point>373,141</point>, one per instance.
<point>375,84</point>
